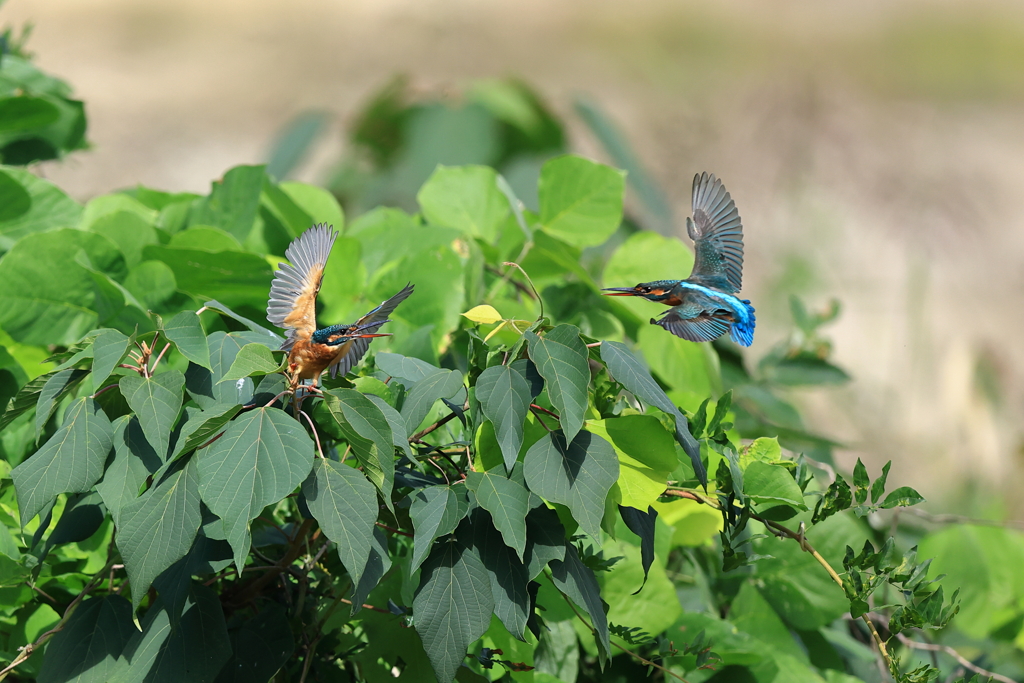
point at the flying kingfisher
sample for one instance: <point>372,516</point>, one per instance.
<point>703,305</point>
<point>293,306</point>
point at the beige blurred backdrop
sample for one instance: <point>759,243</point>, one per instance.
<point>875,150</point>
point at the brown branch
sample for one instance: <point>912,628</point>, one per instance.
<point>315,435</point>
<point>444,420</point>
<point>393,530</point>
<point>518,285</point>
<point>964,662</point>
<point>534,406</point>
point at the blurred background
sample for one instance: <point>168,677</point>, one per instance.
<point>875,151</point>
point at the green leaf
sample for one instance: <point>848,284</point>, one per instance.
<point>129,231</point>
<point>646,453</point>
<point>158,527</point>
<point>195,651</point>
<point>48,208</point>
<point>25,400</point>
<point>466,198</point>
<point>561,359</point>
<point>315,201</point>
<point>345,505</point>
<point>860,482</point>
<point>134,460</point>
<point>837,498</point>
<point>507,501</point>
<point>505,397</point>
<point>765,483</point>
<point>545,539</point>
<point>271,339</point>
<point>642,524</point>
<point>509,582</point>
<point>107,351</point>
<point>628,371</point>
<point>878,487</point>
<point>377,565</point>
<point>577,581</point>
<point>40,308</point>
<point>233,202</point>
<point>580,200</point>
<point>204,386</point>
<point>453,605</point>
<point>577,474</point>
<point>435,511</point>
<point>262,457</point>
<point>252,360</point>
<point>70,462</point>
<point>367,430</point>
<point>233,277</point>
<point>202,426</point>
<point>57,386</point>
<point>395,420</point>
<point>762,449</point>
<point>409,370</point>
<point>902,497</point>
<point>187,333</point>
<point>90,643</point>
<point>14,199</point>
<point>260,647</point>
<point>156,400</point>
<point>438,385</point>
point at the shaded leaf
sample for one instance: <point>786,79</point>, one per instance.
<point>252,359</point>
<point>377,565</point>
<point>259,647</point>
<point>156,400</point>
<point>561,358</point>
<point>642,524</point>
<point>70,462</point>
<point>577,474</point>
<point>507,502</point>
<point>262,457</point>
<point>403,367</point>
<point>545,539</point>
<point>577,581</point>
<point>134,460</point>
<point>26,399</point>
<point>345,504</point>
<point>87,648</point>
<point>203,426</point>
<point>904,496</point>
<point>187,333</point>
<point>505,397</point>
<point>108,349</point>
<point>435,511</point>
<point>453,605</point>
<point>368,432</point>
<point>396,422</point>
<point>437,385</point>
<point>57,386</point>
<point>507,574</point>
<point>157,528</point>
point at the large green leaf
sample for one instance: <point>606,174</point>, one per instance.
<point>156,400</point>
<point>772,484</point>
<point>203,425</point>
<point>505,397</point>
<point>647,456</point>
<point>410,370</point>
<point>466,198</point>
<point>134,460</point>
<point>233,277</point>
<point>561,358</point>
<point>70,462</point>
<point>48,295</point>
<point>631,373</point>
<point>57,386</point>
<point>87,648</point>
<point>453,605</point>
<point>185,330</point>
<point>441,384</point>
<point>345,504</point>
<point>396,422</point>
<point>507,501</point>
<point>107,351</point>
<point>205,387</point>
<point>233,202</point>
<point>48,208</point>
<point>580,200</point>
<point>435,511</point>
<point>262,457</point>
<point>577,581</point>
<point>367,430</point>
<point>129,231</point>
<point>157,528</point>
<point>508,574</point>
<point>578,475</point>
<point>194,652</point>
<point>252,359</point>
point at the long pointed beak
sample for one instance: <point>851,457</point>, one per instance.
<point>619,291</point>
<point>368,336</point>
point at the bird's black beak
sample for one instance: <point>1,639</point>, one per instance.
<point>619,291</point>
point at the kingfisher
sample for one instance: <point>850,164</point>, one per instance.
<point>293,306</point>
<point>704,305</point>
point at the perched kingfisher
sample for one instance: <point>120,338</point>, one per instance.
<point>293,306</point>
<point>703,305</point>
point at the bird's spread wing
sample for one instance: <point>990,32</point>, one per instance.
<point>698,329</point>
<point>368,324</point>
<point>717,235</point>
<point>293,293</point>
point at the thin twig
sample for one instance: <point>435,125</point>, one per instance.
<point>104,390</point>
<point>536,414</point>
<point>157,361</point>
<point>518,285</point>
<point>964,662</point>
<point>393,530</point>
<point>315,435</point>
<point>444,420</point>
<point>590,346</point>
<point>513,264</point>
<point>959,519</point>
<point>544,410</point>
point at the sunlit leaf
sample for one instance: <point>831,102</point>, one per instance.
<point>507,502</point>
<point>580,200</point>
<point>252,359</point>
<point>483,314</point>
<point>156,400</point>
<point>185,330</point>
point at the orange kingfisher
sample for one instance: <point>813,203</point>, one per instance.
<point>293,306</point>
<point>703,305</point>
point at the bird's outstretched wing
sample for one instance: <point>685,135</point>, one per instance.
<point>698,329</point>
<point>293,293</point>
<point>717,235</point>
<point>368,324</point>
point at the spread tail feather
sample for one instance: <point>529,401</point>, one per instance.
<point>742,331</point>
